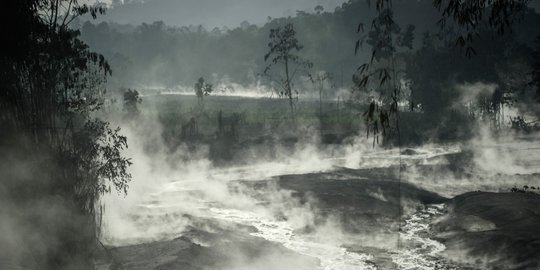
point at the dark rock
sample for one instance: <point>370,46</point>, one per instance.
<point>493,229</point>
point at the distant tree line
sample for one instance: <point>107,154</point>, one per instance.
<point>155,53</point>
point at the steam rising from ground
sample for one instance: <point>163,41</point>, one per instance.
<point>172,192</point>
<point>469,92</point>
<point>224,87</point>
<point>505,155</point>
<point>490,163</point>
<point>186,182</point>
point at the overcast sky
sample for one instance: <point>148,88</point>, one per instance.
<point>210,13</point>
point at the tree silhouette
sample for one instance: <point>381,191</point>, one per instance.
<point>319,81</point>
<point>470,16</point>
<point>52,85</point>
<point>283,45</point>
<point>319,9</point>
<point>202,89</point>
<point>460,22</point>
<point>131,101</point>
<point>381,72</point>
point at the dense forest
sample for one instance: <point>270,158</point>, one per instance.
<point>440,77</point>
<point>156,55</point>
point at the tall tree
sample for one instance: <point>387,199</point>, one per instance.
<point>319,81</point>
<point>381,72</point>
<point>283,47</point>
<point>460,22</point>
<point>536,69</point>
<point>52,85</point>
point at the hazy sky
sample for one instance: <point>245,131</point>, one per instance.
<point>209,13</point>
<point>212,13</point>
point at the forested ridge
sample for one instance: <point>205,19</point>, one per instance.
<point>154,54</point>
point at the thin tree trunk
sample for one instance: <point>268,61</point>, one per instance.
<point>320,107</point>
<point>288,86</point>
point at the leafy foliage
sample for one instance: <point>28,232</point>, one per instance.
<point>385,38</point>
<point>202,89</point>
<point>432,72</point>
<point>526,189</point>
<point>438,72</point>
<point>52,86</point>
<point>282,47</point>
<point>131,100</point>
<point>160,54</point>
<point>469,17</point>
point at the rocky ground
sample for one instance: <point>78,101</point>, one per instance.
<point>210,246</point>
<point>492,230</point>
<point>481,230</point>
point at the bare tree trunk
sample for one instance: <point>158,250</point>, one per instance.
<point>288,87</point>
<point>320,107</point>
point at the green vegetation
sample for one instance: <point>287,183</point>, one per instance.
<point>258,117</point>
<point>58,158</point>
<point>411,65</point>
